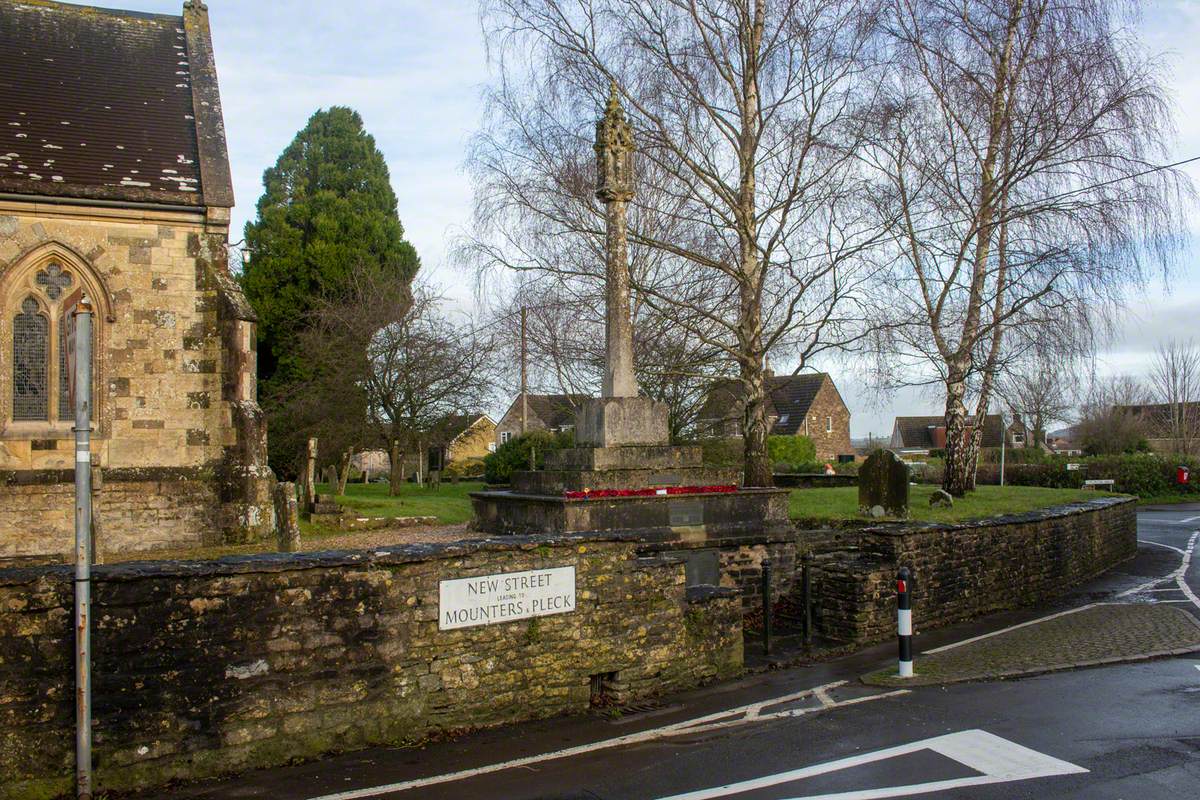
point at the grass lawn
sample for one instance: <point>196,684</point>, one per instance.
<point>985,501</point>
<point>449,504</point>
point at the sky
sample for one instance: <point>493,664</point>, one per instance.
<point>415,70</point>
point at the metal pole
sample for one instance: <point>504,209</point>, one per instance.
<point>524,384</point>
<point>83,551</point>
<point>904,621</point>
<point>766,605</point>
<point>1003,442</point>
<point>806,582</point>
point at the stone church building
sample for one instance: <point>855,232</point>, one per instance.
<point>114,178</point>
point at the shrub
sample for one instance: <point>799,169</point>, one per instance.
<point>465,468</point>
<point>514,454</point>
<point>791,449</point>
<point>723,452</point>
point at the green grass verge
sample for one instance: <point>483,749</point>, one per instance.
<point>986,501</point>
<point>450,503</point>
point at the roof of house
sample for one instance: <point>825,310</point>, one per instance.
<point>1157,416</point>
<point>105,104</point>
<point>554,410</point>
<point>789,398</point>
<point>456,425</point>
<point>917,432</point>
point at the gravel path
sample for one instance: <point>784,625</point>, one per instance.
<point>362,540</point>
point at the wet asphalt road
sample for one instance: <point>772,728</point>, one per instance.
<point>1127,731</point>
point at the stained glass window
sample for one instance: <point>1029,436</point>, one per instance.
<point>31,359</point>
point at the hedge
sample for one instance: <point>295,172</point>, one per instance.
<point>1143,474</point>
<point>514,455</point>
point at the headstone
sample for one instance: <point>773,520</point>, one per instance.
<point>883,482</point>
<point>308,475</point>
<point>435,479</point>
<point>287,517</point>
<point>329,477</point>
<point>941,499</point>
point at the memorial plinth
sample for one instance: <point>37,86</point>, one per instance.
<point>644,486</point>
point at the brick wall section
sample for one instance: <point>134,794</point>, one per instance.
<point>210,667</point>
<point>828,403</point>
<point>963,571</point>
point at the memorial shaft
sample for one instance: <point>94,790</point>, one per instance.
<point>614,186</point>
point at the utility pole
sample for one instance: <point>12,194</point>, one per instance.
<point>524,376</point>
<point>81,392</point>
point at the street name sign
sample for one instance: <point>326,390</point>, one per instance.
<point>488,599</point>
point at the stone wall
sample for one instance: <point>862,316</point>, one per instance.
<point>203,668</point>
<point>174,364</point>
<point>963,571</point>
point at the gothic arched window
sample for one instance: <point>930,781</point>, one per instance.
<point>31,363</point>
<point>33,354</point>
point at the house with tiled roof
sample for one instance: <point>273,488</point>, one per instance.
<point>797,405</point>
<point>919,435</point>
<point>539,412</point>
<point>115,189</point>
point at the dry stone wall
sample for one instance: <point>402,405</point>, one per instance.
<point>210,667</point>
<point>963,571</point>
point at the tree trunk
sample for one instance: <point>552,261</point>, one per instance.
<point>959,471</point>
<point>396,473</point>
<point>754,428</point>
<point>750,335</point>
<point>345,471</point>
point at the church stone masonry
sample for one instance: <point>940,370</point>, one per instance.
<point>114,178</point>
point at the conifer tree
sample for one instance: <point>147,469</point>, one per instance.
<point>327,216</point>
<point>327,208</point>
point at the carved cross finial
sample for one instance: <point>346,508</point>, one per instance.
<point>614,148</point>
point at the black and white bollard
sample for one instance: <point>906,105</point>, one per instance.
<point>904,621</point>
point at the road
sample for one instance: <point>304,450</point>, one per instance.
<point>1125,731</point>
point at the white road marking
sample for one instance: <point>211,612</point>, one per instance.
<point>1181,573</point>
<point>1000,761</point>
<point>1184,521</point>
<point>1160,544</point>
<point>732,717</point>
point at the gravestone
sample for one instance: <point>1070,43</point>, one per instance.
<point>287,517</point>
<point>883,485</point>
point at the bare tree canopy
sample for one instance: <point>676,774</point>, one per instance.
<point>1108,423</point>
<point>750,213</point>
<point>1039,391</point>
<point>1015,156</point>
<point>1175,388</point>
<point>408,367</point>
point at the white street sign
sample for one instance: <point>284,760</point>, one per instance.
<point>488,599</point>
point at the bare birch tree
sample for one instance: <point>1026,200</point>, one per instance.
<point>1175,387</point>
<point>1016,153</point>
<point>1039,391</point>
<point>414,366</point>
<point>749,217</point>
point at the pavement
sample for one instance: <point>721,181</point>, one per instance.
<point>1127,730</point>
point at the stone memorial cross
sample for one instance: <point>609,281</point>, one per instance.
<point>614,186</point>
